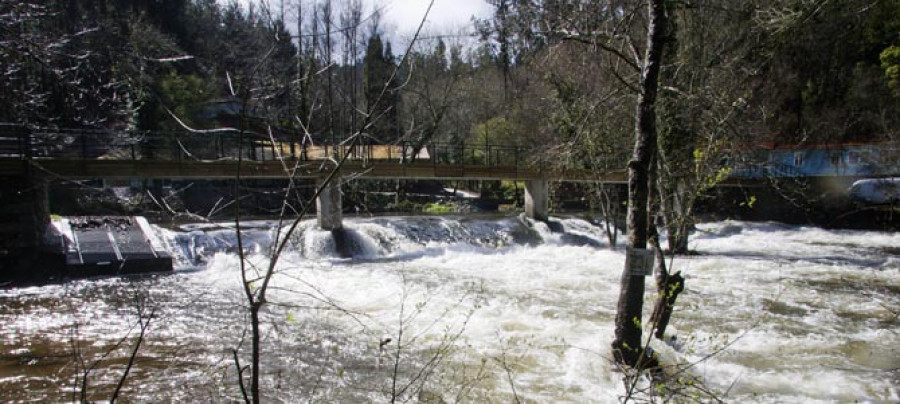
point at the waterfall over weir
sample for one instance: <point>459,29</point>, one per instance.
<point>379,238</point>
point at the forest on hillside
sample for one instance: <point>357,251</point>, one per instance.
<point>558,74</point>
<point>561,80</point>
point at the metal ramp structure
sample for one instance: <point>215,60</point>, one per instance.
<point>111,245</point>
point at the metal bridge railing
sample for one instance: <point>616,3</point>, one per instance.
<point>85,144</point>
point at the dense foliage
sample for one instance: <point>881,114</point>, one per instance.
<point>548,73</point>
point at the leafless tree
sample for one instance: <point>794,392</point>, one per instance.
<point>84,368</point>
<point>632,34</point>
<point>256,281</point>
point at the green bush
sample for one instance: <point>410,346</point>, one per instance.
<point>406,206</point>
<point>437,208</point>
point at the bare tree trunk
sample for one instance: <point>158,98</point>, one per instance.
<point>677,218</point>
<point>327,21</point>
<point>609,209</point>
<point>668,287</point>
<point>254,309</point>
<point>627,343</point>
<point>254,349</point>
<point>676,143</point>
<point>301,79</point>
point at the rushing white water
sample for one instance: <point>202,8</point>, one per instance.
<point>499,307</point>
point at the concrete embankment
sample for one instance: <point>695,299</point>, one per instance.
<point>81,246</point>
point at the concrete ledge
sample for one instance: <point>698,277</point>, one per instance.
<point>110,245</point>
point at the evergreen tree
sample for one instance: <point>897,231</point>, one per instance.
<point>380,94</point>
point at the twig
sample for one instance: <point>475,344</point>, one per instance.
<point>144,325</point>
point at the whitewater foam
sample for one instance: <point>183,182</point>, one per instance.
<point>771,313</point>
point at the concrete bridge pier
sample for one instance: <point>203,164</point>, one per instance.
<point>24,218</point>
<point>328,205</point>
<point>24,213</point>
<point>537,199</point>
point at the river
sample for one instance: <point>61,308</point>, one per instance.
<point>485,309</point>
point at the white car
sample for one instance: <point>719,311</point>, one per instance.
<point>876,191</point>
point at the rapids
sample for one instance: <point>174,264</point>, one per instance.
<point>484,309</point>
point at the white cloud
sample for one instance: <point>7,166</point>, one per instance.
<point>400,18</point>
<point>445,16</point>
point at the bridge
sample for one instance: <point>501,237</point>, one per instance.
<point>105,154</point>
<point>88,154</point>
<point>28,153</point>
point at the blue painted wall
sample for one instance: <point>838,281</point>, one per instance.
<point>846,160</point>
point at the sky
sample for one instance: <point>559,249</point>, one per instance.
<point>400,18</point>
<point>445,16</point>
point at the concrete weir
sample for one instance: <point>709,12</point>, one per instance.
<point>110,245</point>
<point>329,209</point>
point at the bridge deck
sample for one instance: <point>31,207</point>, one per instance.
<point>85,154</point>
<point>301,169</point>
<point>74,153</point>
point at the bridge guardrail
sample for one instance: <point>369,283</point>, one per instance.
<point>87,144</point>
